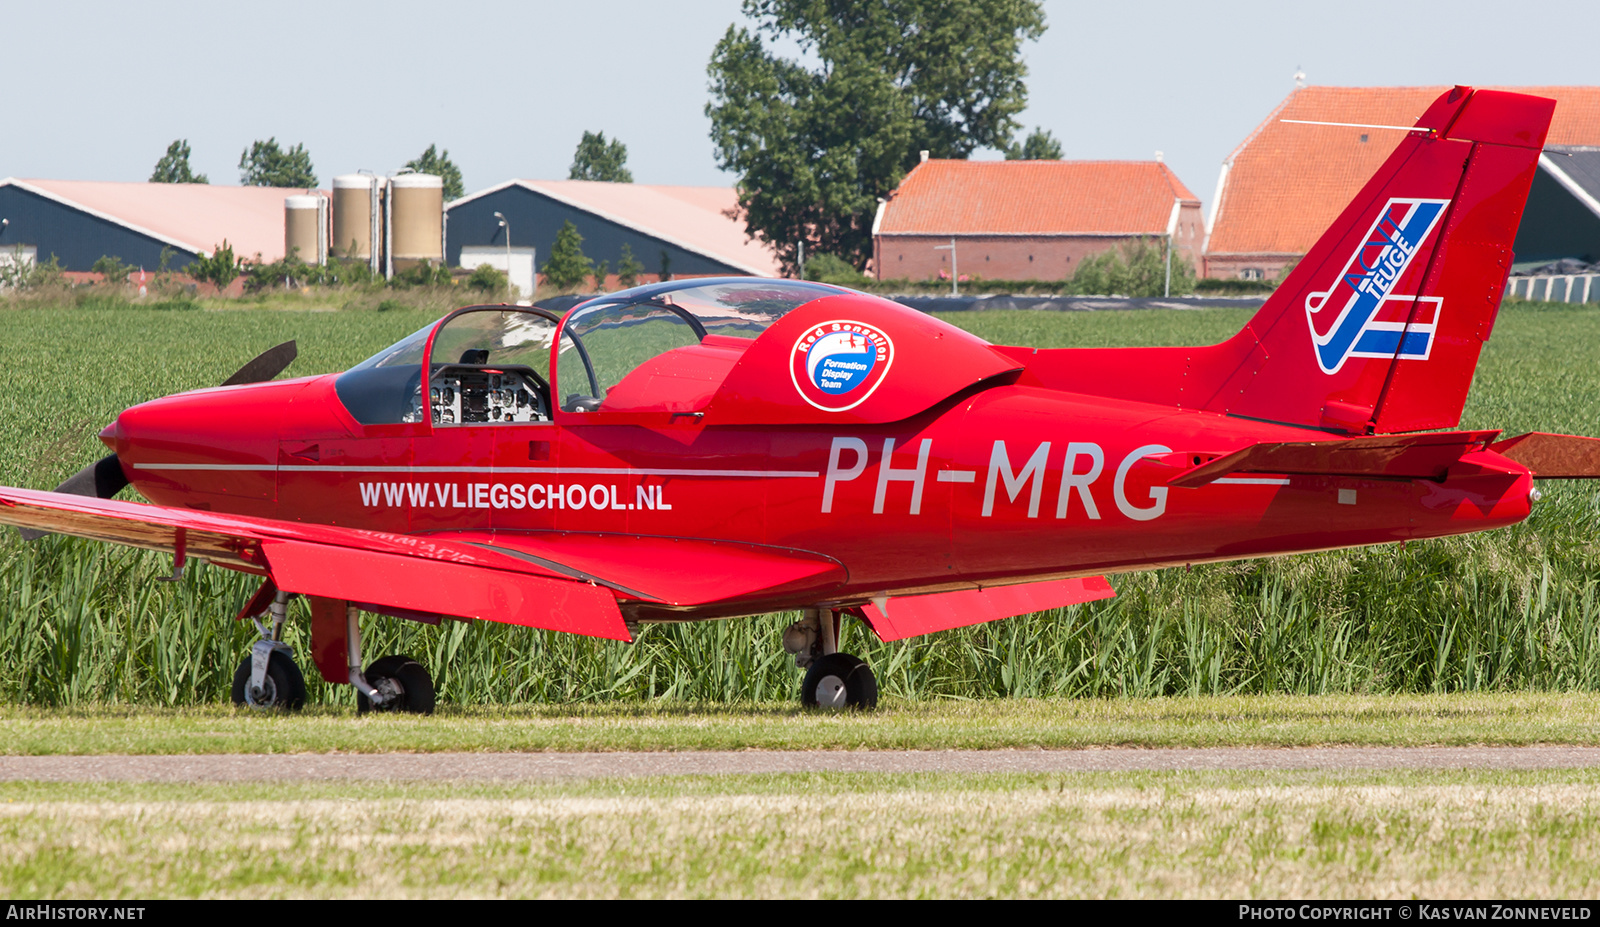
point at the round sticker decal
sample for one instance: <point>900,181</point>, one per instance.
<point>836,365</point>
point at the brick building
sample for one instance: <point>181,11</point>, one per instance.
<point>1287,182</point>
<point>1028,220</point>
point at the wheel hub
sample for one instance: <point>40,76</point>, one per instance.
<point>831,692</point>
<point>391,692</point>
<point>264,696</point>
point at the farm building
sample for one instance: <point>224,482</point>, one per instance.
<point>1027,220</point>
<point>1286,182</point>
<point>1559,257</point>
<point>671,231</point>
<point>80,221</point>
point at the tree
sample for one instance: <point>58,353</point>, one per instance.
<point>1040,146</point>
<point>111,270</point>
<point>815,148</point>
<point>264,164</point>
<point>597,159</point>
<point>440,165</point>
<point>174,166</point>
<point>830,269</point>
<point>486,279</point>
<point>221,268</point>
<point>628,268</point>
<point>566,267</point>
<point>601,270</point>
<point>1138,268</point>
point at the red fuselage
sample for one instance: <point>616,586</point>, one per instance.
<point>1000,482</point>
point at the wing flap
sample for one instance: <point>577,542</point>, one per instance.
<point>901,616</point>
<point>1395,457</point>
<point>444,588</point>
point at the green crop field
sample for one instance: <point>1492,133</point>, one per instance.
<point>85,624</point>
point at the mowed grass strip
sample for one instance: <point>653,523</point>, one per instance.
<point>1508,719</point>
<point>1449,834</point>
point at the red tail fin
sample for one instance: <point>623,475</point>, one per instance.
<point>1378,328</point>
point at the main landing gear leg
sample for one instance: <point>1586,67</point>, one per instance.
<point>390,684</point>
<point>269,678</point>
<point>833,679</point>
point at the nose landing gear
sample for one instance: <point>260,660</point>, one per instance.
<point>833,680</point>
<point>268,678</point>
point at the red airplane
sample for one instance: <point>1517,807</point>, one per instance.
<point>713,448</point>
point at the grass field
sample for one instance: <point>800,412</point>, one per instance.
<point>1169,835</point>
<point>1504,719</point>
<point>1516,609</point>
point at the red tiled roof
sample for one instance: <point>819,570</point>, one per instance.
<point>1286,183</point>
<point>1034,197</point>
<point>196,217</point>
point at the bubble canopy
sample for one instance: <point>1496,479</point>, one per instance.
<point>650,341</point>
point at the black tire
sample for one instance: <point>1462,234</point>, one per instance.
<point>285,686</point>
<point>853,673</point>
<point>416,686</point>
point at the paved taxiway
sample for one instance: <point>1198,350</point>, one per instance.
<point>548,766</point>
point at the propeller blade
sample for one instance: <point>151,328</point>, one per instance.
<point>268,364</point>
<point>101,480</point>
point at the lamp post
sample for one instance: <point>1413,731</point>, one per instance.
<point>507,226</point>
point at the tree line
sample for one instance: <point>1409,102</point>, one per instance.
<point>269,164</point>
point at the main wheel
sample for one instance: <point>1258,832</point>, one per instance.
<point>284,688</point>
<point>403,678</point>
<point>839,680</point>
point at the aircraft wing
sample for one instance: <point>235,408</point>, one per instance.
<point>562,581</point>
<point>414,573</point>
<point>1409,457</point>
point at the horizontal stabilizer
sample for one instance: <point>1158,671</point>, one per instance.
<point>900,616</point>
<point>1395,457</point>
<point>1553,457</point>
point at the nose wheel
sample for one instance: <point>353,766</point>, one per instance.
<point>280,688</point>
<point>268,679</point>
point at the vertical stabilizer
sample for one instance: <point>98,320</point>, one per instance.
<point>1378,328</point>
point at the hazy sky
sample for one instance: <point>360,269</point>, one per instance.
<point>96,90</point>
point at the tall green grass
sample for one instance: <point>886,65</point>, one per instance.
<point>1513,609</point>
